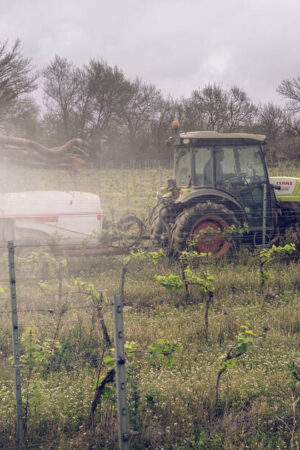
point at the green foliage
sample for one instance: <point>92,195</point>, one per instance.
<point>205,283</point>
<point>142,255</point>
<point>164,350</point>
<point>45,287</point>
<point>294,369</point>
<point>187,256</point>
<point>43,258</point>
<point>108,391</point>
<point>170,282</point>
<point>234,231</point>
<point>130,349</point>
<point>292,366</point>
<point>230,232</point>
<point>157,256</point>
<point>97,296</point>
<point>267,255</point>
<point>37,354</point>
<point>80,284</point>
<point>139,255</point>
<point>109,362</point>
<point>240,345</point>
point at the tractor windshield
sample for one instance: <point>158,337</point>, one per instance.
<point>213,166</point>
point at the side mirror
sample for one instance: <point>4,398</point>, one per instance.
<point>170,141</point>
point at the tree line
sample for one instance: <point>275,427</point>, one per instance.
<point>121,118</point>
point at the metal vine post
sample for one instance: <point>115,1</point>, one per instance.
<point>15,339</point>
<point>120,373</point>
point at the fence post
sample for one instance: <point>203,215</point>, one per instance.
<point>264,217</point>
<point>120,372</point>
<point>15,333</point>
<point>100,184</point>
<point>127,191</point>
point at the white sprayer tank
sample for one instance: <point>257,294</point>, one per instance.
<point>36,216</point>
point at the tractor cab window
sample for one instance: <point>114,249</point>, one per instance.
<point>250,163</point>
<point>218,165</point>
<point>183,171</point>
<point>203,174</point>
<point>213,164</point>
<point>225,163</point>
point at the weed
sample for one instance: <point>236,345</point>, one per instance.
<point>239,346</point>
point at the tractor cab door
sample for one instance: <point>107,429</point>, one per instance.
<point>236,169</point>
<point>242,173</point>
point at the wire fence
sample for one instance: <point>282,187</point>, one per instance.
<point>134,164</point>
<point>46,337</point>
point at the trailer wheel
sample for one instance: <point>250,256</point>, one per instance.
<point>211,219</point>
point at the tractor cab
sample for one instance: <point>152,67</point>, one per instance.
<point>231,163</point>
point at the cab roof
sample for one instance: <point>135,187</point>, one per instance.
<point>207,135</point>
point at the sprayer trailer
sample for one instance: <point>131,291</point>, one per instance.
<point>66,218</point>
<point>68,222</point>
<point>221,195</point>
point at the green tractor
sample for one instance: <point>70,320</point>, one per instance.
<point>220,187</point>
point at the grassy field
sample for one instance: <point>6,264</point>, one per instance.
<point>172,402</point>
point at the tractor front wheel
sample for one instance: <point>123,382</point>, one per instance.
<point>205,223</point>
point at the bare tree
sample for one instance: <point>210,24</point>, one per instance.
<point>272,120</point>
<point>141,108</point>
<point>212,104</point>
<point>107,92</point>
<point>22,119</point>
<point>161,122</point>
<point>62,83</point>
<point>240,110</point>
<point>213,108</point>
<point>84,102</point>
<point>290,89</point>
<point>190,115</point>
<point>16,76</point>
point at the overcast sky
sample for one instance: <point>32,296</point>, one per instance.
<point>179,45</point>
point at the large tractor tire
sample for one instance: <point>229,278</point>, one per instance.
<point>208,216</point>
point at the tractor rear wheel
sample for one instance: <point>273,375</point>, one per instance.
<point>209,220</point>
